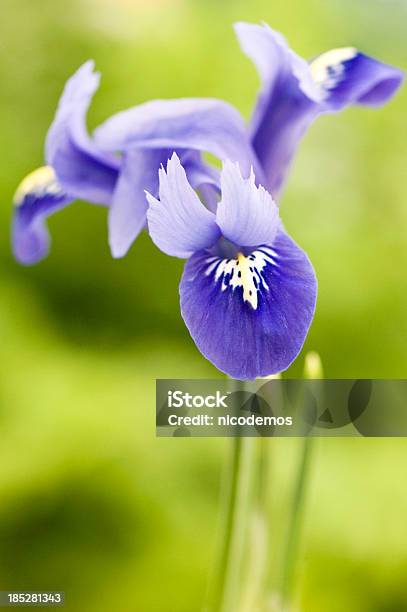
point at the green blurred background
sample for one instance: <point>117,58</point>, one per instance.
<point>90,501</point>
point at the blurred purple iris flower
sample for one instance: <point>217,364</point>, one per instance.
<point>78,168</point>
<point>122,158</point>
<point>248,292</point>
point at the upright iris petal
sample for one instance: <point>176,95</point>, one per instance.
<point>246,215</point>
<point>179,225</point>
<point>248,292</point>
<point>83,170</point>
<point>294,92</point>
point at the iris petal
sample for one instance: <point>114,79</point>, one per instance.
<point>346,76</point>
<point>254,324</point>
<point>282,72</point>
<point>294,93</point>
<point>127,214</point>
<point>246,213</point>
<point>287,102</point>
<point>200,124</point>
<point>38,196</point>
<point>83,170</point>
<point>203,177</point>
<point>139,173</point>
<point>179,224</point>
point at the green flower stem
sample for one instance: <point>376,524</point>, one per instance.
<point>242,570</point>
<point>238,524</point>
<point>228,591</point>
<point>295,524</point>
<point>258,544</point>
<point>312,371</point>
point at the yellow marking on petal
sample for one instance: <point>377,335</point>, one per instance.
<point>249,288</point>
<point>327,69</point>
<point>40,182</point>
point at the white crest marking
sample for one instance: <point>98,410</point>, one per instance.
<point>328,69</point>
<point>243,271</point>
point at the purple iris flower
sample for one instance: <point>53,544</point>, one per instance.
<point>295,92</point>
<point>79,168</point>
<point>248,292</point>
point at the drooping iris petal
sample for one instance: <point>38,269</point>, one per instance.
<point>38,196</point>
<point>83,170</point>
<point>179,224</point>
<point>346,76</point>
<point>200,124</point>
<point>127,213</point>
<point>294,93</point>
<point>246,213</point>
<point>254,323</point>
